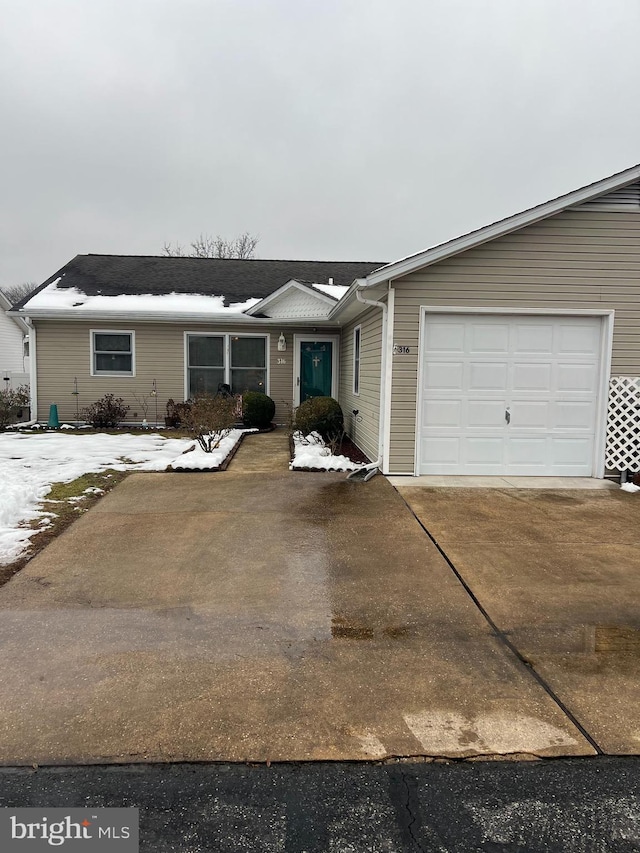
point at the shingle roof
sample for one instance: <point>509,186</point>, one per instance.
<point>237,280</point>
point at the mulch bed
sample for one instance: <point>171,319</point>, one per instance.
<point>352,452</point>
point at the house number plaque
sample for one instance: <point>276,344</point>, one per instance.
<point>401,350</point>
<point>282,361</point>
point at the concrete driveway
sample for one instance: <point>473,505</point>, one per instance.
<point>559,572</point>
<point>264,615</point>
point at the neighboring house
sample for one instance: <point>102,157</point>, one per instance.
<point>488,354</point>
<point>14,347</point>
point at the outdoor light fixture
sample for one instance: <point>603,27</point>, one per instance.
<point>282,343</point>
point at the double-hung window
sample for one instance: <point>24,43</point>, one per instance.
<point>248,364</point>
<point>356,360</point>
<point>112,353</point>
<point>205,360</point>
<point>239,361</point>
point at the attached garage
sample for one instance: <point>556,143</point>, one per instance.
<point>511,393</point>
<point>501,343</point>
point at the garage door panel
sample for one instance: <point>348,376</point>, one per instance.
<point>533,376</point>
<point>444,337</point>
<point>438,450</point>
<point>530,414</point>
<point>578,339</point>
<point>527,450</point>
<point>485,413</point>
<point>544,370</point>
<point>531,338</point>
<point>487,376</point>
<point>576,415</point>
<point>488,338</point>
<point>442,375</point>
<point>481,450</point>
<point>442,413</point>
<point>571,451</point>
<point>576,378</point>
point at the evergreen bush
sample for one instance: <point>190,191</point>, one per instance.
<point>322,415</point>
<point>257,409</point>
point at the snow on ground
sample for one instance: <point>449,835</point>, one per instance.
<point>310,452</point>
<point>198,460</point>
<point>29,464</point>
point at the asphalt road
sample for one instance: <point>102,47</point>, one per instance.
<point>583,804</point>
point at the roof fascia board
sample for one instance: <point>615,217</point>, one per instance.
<point>502,227</point>
<point>155,317</point>
<point>5,304</point>
<point>259,307</point>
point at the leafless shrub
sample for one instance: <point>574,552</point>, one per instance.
<point>210,419</point>
<point>11,402</point>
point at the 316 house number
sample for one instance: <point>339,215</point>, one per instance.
<point>401,350</point>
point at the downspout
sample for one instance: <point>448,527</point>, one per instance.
<point>379,463</point>
<point>33,373</point>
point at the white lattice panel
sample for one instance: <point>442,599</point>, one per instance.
<point>623,424</point>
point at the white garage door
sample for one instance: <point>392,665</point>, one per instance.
<point>504,394</point>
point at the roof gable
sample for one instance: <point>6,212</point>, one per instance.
<point>293,300</point>
<point>410,264</point>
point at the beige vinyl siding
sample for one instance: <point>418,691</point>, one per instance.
<point>64,353</point>
<point>364,430</point>
<point>576,259</point>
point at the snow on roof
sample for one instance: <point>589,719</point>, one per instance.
<point>66,298</point>
<point>337,291</point>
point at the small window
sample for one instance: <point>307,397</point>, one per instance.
<point>112,353</point>
<point>356,360</point>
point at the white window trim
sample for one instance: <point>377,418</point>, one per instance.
<point>607,316</point>
<point>226,354</point>
<point>357,331</point>
<point>104,373</point>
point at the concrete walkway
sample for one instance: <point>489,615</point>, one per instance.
<point>262,453</point>
<point>261,616</point>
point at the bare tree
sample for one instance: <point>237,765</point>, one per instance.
<point>205,246</point>
<point>19,291</point>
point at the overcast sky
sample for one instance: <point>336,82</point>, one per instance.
<point>333,129</point>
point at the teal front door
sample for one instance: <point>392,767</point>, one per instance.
<point>316,366</point>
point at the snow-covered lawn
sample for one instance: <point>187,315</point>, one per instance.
<point>29,464</point>
<point>310,452</point>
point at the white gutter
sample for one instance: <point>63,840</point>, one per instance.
<point>381,462</point>
<point>157,317</point>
